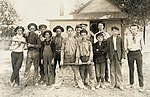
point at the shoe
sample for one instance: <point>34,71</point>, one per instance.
<point>44,85</point>
<point>141,89</point>
<point>85,83</point>
<point>85,88</point>
<point>103,86</point>
<point>92,88</point>
<point>12,83</point>
<point>121,88</point>
<point>98,85</point>
<point>36,84</point>
<point>16,85</point>
<point>111,87</point>
<point>130,86</point>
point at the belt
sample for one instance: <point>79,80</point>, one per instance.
<point>134,51</point>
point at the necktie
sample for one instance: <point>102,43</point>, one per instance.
<point>134,40</point>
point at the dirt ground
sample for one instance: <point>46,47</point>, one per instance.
<point>67,89</point>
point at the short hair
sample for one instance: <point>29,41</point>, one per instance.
<point>114,27</point>
<point>100,22</point>
<point>83,31</point>
<point>135,25</point>
<point>47,31</point>
<point>99,34</point>
<point>69,27</point>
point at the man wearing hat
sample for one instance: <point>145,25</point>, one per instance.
<point>42,28</point>
<point>57,43</point>
<point>33,46</point>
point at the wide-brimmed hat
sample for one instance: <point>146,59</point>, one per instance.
<point>19,27</point>
<point>42,26</point>
<point>58,27</point>
<point>47,31</point>
<point>32,24</point>
<point>83,24</point>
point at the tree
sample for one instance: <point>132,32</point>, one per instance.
<point>137,10</point>
<point>8,17</point>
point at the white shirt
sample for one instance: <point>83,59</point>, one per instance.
<point>106,35</point>
<point>137,45</point>
<point>18,46</point>
<point>114,42</point>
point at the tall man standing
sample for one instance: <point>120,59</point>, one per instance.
<point>101,27</point>
<point>134,48</point>
<point>33,45</point>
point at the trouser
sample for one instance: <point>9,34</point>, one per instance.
<point>89,69</point>
<point>100,72</point>
<point>135,56</point>
<point>32,58</point>
<point>106,71</point>
<point>48,70</point>
<point>115,71</point>
<point>41,65</point>
<point>16,59</point>
<point>57,58</point>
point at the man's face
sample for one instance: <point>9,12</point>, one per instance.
<point>134,30</point>
<point>70,32</point>
<point>19,31</point>
<point>83,27</point>
<point>100,26</point>
<point>47,35</point>
<point>32,28</point>
<point>58,31</point>
<point>83,35</point>
<point>43,29</point>
<point>115,32</point>
<point>100,38</point>
<point>78,30</point>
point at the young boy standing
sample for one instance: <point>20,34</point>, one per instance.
<point>70,54</point>
<point>47,53</point>
<point>99,58</point>
<point>86,55</point>
<point>115,57</point>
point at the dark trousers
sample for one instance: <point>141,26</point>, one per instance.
<point>41,69</point>
<point>57,58</point>
<point>135,56</point>
<point>16,59</point>
<point>106,71</point>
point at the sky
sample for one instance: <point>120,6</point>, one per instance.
<point>39,10</point>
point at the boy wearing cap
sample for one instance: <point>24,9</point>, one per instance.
<point>86,55</point>
<point>70,54</point>
<point>57,43</point>
<point>100,51</point>
<point>116,56</point>
<point>33,46</point>
<point>47,56</point>
<point>17,47</point>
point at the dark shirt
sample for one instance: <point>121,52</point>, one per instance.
<point>100,52</point>
<point>33,39</point>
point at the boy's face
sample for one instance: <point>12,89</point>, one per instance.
<point>83,35</point>
<point>47,35</point>
<point>78,30</point>
<point>115,32</point>
<point>100,38</point>
<point>83,27</point>
<point>42,29</point>
<point>134,29</point>
<point>70,31</point>
<point>58,31</point>
<point>100,26</point>
<point>32,28</point>
<point>19,31</point>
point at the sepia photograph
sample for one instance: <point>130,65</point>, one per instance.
<point>74,48</point>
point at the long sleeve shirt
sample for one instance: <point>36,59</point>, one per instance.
<point>33,39</point>
<point>134,43</point>
<point>86,49</point>
<point>18,43</point>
